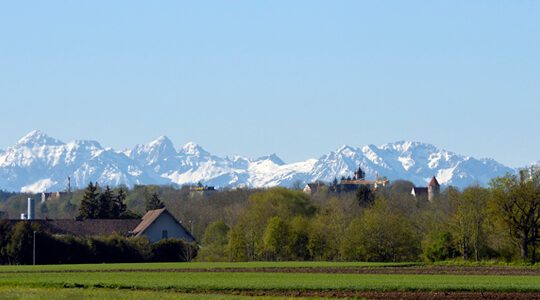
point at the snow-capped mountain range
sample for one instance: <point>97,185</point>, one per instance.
<point>39,163</point>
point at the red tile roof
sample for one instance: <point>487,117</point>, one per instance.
<point>147,220</point>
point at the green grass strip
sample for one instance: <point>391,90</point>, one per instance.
<point>105,294</point>
<point>224,281</point>
<point>200,265</point>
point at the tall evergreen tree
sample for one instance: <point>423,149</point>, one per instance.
<point>119,207</point>
<point>105,204</point>
<point>365,196</point>
<point>89,203</point>
<point>154,202</point>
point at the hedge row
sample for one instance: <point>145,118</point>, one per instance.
<point>16,247</point>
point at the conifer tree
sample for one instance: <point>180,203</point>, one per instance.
<point>89,203</point>
<point>154,202</point>
<point>105,204</point>
<point>119,207</point>
<point>365,196</point>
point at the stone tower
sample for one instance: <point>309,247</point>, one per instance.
<point>434,189</point>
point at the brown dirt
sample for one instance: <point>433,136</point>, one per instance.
<point>401,295</point>
<point>442,270</point>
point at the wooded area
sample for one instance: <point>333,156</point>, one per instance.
<point>500,222</point>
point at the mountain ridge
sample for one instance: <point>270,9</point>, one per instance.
<point>39,163</point>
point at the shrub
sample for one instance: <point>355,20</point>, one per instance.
<point>438,246</point>
<point>169,250</point>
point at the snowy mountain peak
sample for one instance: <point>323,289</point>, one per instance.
<point>406,146</point>
<point>161,140</point>
<point>273,158</point>
<point>37,138</point>
<point>346,150</point>
<point>162,145</point>
<point>192,148</point>
<point>153,152</point>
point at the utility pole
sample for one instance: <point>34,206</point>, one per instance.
<point>34,250</point>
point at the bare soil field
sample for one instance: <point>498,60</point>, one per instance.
<point>420,295</point>
<point>439,270</point>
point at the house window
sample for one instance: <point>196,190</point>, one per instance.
<point>164,234</point>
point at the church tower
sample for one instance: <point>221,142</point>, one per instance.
<point>434,189</point>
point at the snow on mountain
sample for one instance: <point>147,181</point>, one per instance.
<point>413,161</point>
<point>38,163</point>
<point>193,164</point>
<point>273,158</point>
<point>39,186</point>
<point>37,138</point>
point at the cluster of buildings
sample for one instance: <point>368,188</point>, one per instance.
<point>155,225</point>
<point>352,184</point>
<point>349,184</point>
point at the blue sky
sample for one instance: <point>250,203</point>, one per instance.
<point>298,78</point>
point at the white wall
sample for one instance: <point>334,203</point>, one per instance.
<point>166,222</point>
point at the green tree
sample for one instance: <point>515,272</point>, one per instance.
<point>214,242</point>
<point>5,237</point>
<point>105,204</point>
<point>439,245</point>
<point>469,222</point>
<point>365,196</point>
<point>119,208</point>
<point>380,234</point>
<point>275,239</point>
<point>19,248</point>
<point>516,201</point>
<point>237,247</point>
<point>154,202</point>
<point>89,204</point>
<point>262,206</point>
<point>299,238</point>
<point>326,231</point>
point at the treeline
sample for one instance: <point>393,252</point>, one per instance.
<point>192,208</point>
<point>501,222</point>
<point>17,247</point>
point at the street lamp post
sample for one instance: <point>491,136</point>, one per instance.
<point>34,250</point>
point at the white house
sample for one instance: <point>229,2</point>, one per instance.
<point>161,224</point>
<point>155,225</point>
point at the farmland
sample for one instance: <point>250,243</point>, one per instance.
<point>284,279</point>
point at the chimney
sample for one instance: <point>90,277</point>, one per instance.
<point>30,215</point>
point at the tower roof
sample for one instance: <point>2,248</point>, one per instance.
<point>433,182</point>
